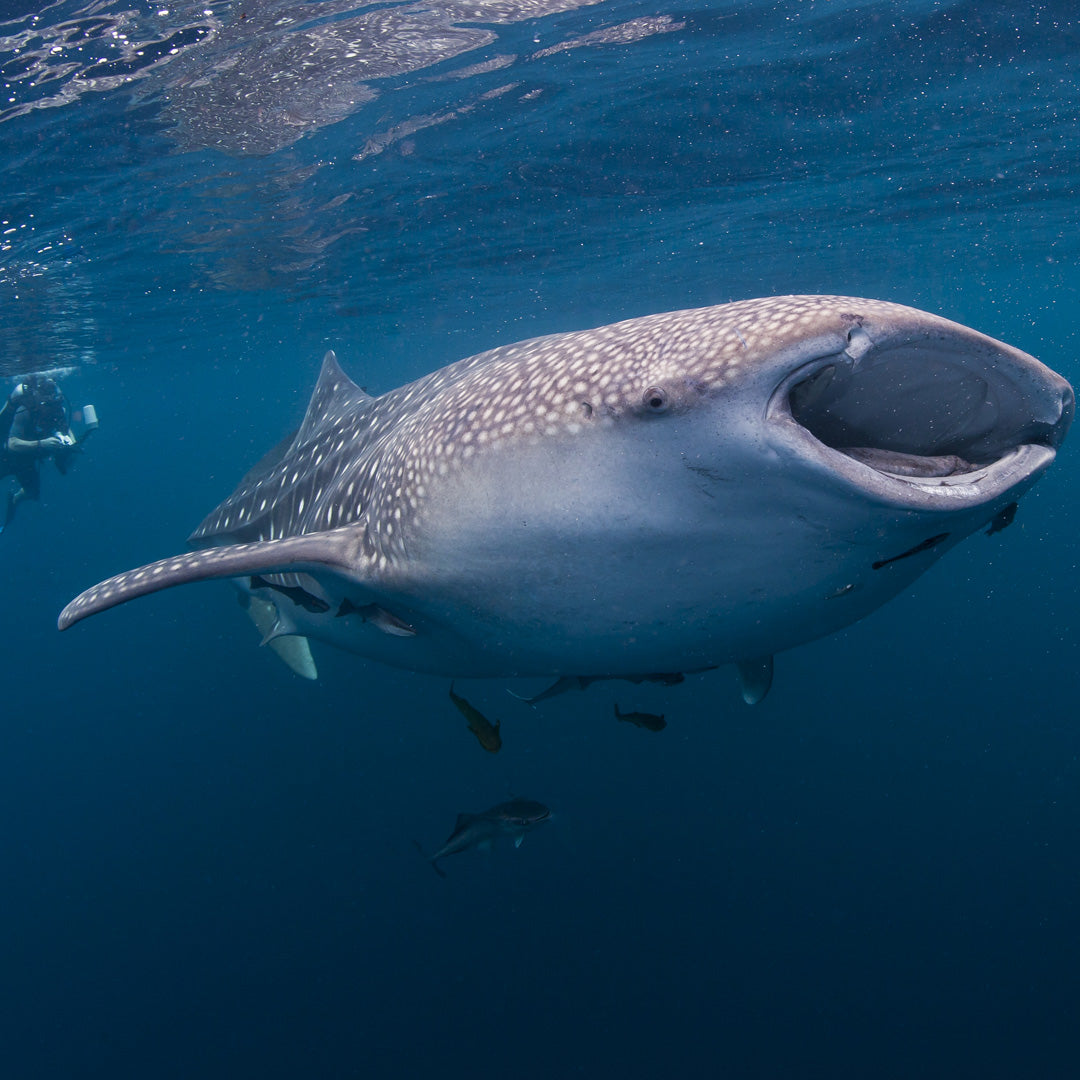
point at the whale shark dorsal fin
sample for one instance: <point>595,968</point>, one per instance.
<point>339,551</point>
<point>332,393</point>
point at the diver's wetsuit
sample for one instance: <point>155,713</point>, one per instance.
<point>24,467</point>
<point>20,422</point>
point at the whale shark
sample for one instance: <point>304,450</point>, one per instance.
<point>666,494</point>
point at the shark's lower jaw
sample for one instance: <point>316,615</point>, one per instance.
<point>925,426</point>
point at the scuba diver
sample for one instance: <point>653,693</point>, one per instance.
<point>34,425</point>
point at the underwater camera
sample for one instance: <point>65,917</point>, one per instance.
<point>84,421</point>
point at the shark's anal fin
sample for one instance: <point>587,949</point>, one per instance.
<point>336,550</point>
<point>755,678</point>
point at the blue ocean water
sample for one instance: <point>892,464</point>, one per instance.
<point>208,863</point>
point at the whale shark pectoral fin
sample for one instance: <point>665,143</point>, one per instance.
<point>337,550</point>
<point>755,678</point>
<point>267,619</point>
<point>279,629</point>
<point>292,648</point>
<point>295,653</point>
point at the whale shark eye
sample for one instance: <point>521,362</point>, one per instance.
<point>655,399</point>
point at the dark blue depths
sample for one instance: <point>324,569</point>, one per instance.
<point>208,864</point>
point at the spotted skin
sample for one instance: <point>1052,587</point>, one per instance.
<point>336,547</point>
<point>359,459</point>
<point>612,501</point>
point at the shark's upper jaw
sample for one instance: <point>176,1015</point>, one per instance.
<point>924,423</point>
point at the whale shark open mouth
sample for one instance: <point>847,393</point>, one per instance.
<point>926,424</point>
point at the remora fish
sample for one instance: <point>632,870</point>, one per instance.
<point>512,819</point>
<point>649,721</point>
<point>487,733</point>
<point>668,493</point>
<point>566,683</point>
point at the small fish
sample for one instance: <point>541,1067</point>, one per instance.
<point>512,819</point>
<point>297,595</point>
<point>649,721</point>
<point>582,682</point>
<point>487,733</point>
<point>1003,519</point>
<point>926,545</point>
